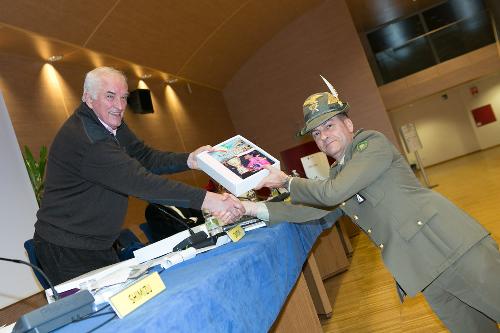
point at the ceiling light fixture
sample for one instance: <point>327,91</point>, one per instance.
<point>145,76</point>
<point>55,58</point>
<point>170,81</point>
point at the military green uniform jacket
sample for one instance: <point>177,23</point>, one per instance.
<point>419,232</point>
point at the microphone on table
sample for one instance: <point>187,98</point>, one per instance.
<point>197,240</point>
<point>39,270</point>
<point>56,314</point>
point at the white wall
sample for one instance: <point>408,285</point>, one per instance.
<point>18,207</point>
<point>446,126</point>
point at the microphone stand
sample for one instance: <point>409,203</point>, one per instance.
<point>17,261</point>
<point>162,209</point>
<point>197,240</point>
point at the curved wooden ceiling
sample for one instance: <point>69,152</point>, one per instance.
<point>203,41</point>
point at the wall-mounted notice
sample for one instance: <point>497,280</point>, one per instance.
<point>316,165</point>
<point>410,137</point>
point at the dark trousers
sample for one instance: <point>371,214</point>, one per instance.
<point>64,263</point>
<point>466,296</point>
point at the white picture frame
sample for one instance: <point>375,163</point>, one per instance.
<point>237,164</point>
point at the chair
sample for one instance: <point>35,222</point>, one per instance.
<point>127,238</point>
<point>29,246</point>
<point>126,244</point>
<point>146,229</point>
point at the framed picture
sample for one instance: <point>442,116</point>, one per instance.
<point>237,164</point>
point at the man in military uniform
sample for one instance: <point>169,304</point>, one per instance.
<point>426,242</point>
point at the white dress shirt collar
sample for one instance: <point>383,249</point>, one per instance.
<point>113,131</point>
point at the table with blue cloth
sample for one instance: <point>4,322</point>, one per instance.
<point>237,287</point>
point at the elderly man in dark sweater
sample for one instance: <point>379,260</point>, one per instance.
<point>95,163</point>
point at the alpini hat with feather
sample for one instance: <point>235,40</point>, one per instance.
<point>320,107</point>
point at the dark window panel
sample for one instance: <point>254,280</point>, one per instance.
<point>451,11</point>
<point>395,34</point>
<point>463,37</point>
<point>408,59</point>
<point>401,49</point>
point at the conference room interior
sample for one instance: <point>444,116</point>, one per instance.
<point>245,67</point>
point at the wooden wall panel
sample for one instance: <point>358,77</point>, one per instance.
<point>265,96</point>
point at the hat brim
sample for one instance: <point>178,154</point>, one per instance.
<point>315,122</point>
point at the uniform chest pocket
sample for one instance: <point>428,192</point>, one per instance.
<point>373,195</point>
<point>412,226</point>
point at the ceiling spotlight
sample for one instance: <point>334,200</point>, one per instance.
<point>145,76</point>
<point>55,58</point>
<point>170,81</point>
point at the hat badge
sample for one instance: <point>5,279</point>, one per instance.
<point>312,104</point>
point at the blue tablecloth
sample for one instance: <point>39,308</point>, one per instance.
<point>238,287</point>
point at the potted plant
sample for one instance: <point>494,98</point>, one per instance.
<point>36,170</point>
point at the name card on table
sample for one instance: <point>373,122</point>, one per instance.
<point>236,233</point>
<point>135,295</point>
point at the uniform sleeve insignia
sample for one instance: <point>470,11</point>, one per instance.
<point>362,145</point>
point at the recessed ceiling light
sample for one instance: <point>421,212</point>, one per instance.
<point>145,76</point>
<point>55,58</point>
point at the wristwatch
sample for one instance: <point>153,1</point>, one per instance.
<point>286,183</point>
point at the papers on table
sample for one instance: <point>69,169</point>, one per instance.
<point>247,223</point>
<point>107,281</point>
<point>95,280</point>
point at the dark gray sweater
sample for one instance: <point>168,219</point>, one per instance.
<point>91,173</point>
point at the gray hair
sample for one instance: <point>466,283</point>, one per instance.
<point>93,80</point>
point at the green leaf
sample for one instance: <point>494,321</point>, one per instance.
<point>36,170</point>
<point>42,162</point>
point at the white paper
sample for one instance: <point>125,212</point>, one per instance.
<point>90,280</point>
<point>316,165</point>
<point>174,258</point>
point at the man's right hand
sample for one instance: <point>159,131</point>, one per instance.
<point>226,207</point>
<point>251,208</point>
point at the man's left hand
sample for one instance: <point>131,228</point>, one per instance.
<point>192,162</point>
<point>275,179</point>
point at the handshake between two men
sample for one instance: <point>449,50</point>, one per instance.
<point>228,209</point>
